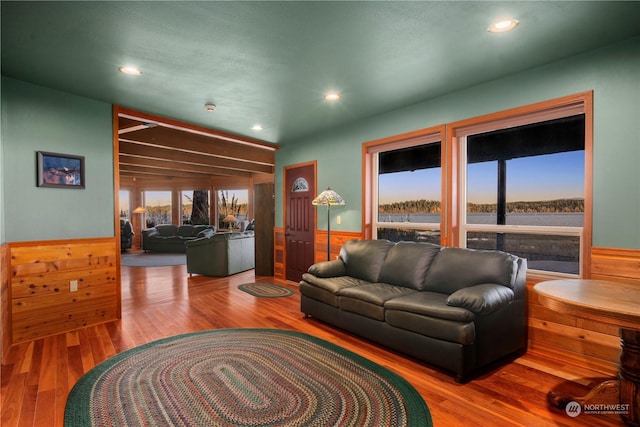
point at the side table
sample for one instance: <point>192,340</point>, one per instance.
<point>609,302</point>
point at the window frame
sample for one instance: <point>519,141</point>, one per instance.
<point>371,152</point>
<point>458,132</point>
<point>450,134</point>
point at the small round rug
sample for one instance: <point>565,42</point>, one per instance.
<point>243,377</point>
<point>266,290</point>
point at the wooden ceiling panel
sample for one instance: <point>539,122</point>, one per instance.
<point>127,161</point>
<point>152,149</point>
<point>185,141</point>
<point>145,151</point>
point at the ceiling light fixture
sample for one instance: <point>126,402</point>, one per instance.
<point>256,127</point>
<point>209,106</point>
<point>133,71</point>
<point>503,26</point>
<point>331,96</point>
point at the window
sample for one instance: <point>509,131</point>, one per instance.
<point>194,205</point>
<point>523,192</point>
<point>232,202</point>
<point>125,211</point>
<point>158,207</point>
<point>517,180</point>
<point>406,189</point>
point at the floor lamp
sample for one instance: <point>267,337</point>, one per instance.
<point>328,198</point>
<point>140,210</point>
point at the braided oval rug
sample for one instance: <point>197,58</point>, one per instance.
<point>243,377</point>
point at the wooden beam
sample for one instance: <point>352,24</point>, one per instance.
<point>191,142</point>
<point>141,170</point>
<point>189,127</point>
<point>139,150</point>
<point>169,166</point>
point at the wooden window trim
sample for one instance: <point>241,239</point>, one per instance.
<point>450,135</point>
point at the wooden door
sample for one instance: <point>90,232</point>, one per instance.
<point>300,219</point>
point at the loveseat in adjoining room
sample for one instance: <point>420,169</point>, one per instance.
<point>457,309</point>
<point>171,238</point>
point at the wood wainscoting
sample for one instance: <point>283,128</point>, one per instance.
<point>338,238</point>
<point>5,318</point>
<point>37,286</point>
<point>320,253</point>
<point>586,342</point>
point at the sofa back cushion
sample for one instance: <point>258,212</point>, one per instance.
<point>363,259</point>
<point>187,231</point>
<point>167,230</point>
<point>407,263</point>
<point>457,268</point>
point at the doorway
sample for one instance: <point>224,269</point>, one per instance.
<point>300,190</point>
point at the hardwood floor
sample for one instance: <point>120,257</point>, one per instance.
<point>163,301</point>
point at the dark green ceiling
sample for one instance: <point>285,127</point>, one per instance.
<point>270,62</point>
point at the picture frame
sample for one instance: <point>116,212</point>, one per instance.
<point>60,170</point>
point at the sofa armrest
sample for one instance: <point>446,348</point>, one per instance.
<point>200,241</point>
<point>150,232</point>
<point>334,268</point>
<point>481,299</point>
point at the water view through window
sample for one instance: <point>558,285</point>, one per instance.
<point>525,192</point>
<point>409,182</point>
<point>522,192</point>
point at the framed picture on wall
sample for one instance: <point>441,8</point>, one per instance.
<point>60,170</point>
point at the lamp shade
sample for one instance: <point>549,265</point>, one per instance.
<point>139,209</point>
<point>328,198</point>
<point>230,218</point>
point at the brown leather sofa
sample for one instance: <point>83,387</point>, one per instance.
<point>456,309</point>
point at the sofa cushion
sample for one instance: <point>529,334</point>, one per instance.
<point>407,263</point>
<point>430,304</point>
<point>364,258</point>
<point>457,268</point>
<point>167,230</point>
<point>368,300</point>
<point>333,284</point>
<point>375,293</point>
<point>448,330</point>
<point>326,290</point>
<point>482,299</point>
<point>186,231</point>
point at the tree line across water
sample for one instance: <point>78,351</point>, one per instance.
<point>433,207</point>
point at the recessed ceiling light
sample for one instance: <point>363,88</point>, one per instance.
<point>209,106</point>
<point>256,127</point>
<point>331,96</point>
<point>130,70</point>
<point>503,25</point>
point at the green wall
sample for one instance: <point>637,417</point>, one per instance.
<point>34,119</point>
<point>613,73</point>
<point>2,179</point>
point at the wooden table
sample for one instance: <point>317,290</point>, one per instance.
<point>609,302</point>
